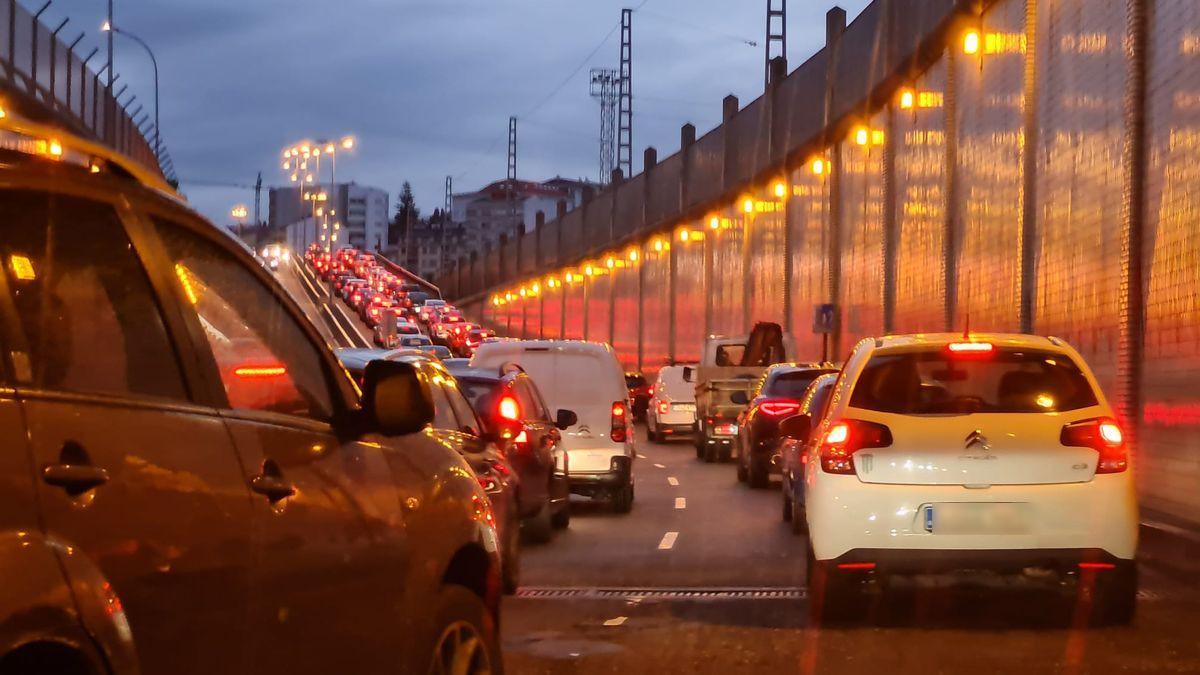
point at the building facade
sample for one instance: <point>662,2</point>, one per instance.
<point>488,213</point>
<point>352,214</point>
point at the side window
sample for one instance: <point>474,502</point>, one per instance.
<point>443,413</point>
<point>265,360</point>
<point>83,300</point>
<point>462,409</point>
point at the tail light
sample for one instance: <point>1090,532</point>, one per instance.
<point>663,407</point>
<point>650,392</point>
<point>489,484</point>
<point>509,409</point>
<point>1102,435</point>
<point>374,311</point>
<point>848,437</point>
<point>779,407</point>
<point>619,420</point>
<point>356,297</point>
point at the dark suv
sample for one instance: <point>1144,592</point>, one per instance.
<point>190,483</point>
<point>511,406</point>
<point>776,397</point>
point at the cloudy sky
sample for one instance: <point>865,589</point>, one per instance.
<point>426,85</point>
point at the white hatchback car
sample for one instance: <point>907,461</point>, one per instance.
<point>943,454</point>
<point>672,410</point>
<point>585,377</point>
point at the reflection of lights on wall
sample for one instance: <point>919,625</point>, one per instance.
<point>930,99</point>
<point>864,136</point>
<point>1084,43</point>
<point>1004,43</point>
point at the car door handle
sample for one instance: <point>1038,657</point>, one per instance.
<point>273,487</point>
<point>76,479</point>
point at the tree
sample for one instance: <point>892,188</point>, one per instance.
<point>406,212</point>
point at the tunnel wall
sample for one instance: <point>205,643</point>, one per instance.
<point>1044,182</point>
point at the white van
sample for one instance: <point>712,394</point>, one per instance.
<point>672,406</point>
<point>585,377</point>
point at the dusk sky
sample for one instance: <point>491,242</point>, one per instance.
<point>427,86</point>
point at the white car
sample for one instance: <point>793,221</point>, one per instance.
<point>585,377</point>
<point>943,454</point>
<point>672,410</point>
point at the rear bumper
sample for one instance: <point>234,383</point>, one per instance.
<point>591,484</point>
<point>1063,560</point>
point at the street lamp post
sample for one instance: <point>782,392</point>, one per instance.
<point>111,28</point>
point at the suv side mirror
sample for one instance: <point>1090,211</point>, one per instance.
<point>739,397</point>
<point>565,418</point>
<point>797,427</point>
<point>395,402</point>
<point>688,374</point>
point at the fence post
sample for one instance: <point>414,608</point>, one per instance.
<point>1029,153</point>
<point>835,25</point>
<point>687,138</point>
<point>891,235</point>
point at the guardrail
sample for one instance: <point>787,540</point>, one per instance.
<point>44,78</point>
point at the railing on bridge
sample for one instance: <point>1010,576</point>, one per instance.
<point>1029,163</point>
<point>44,79</point>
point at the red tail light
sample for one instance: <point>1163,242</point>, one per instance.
<point>260,371</point>
<point>779,407</point>
<point>663,407</point>
<point>1102,435</point>
<point>619,421</point>
<point>509,409</point>
<point>848,437</point>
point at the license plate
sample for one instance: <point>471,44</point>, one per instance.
<point>684,407</point>
<point>726,429</point>
<point>977,518</point>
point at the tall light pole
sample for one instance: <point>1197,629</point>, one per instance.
<point>111,28</point>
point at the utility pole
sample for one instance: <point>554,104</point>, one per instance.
<point>257,200</point>
<point>512,175</point>
<point>625,97</point>
<point>446,206</point>
<point>604,88</point>
<point>776,36</point>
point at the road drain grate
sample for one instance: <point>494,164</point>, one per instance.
<point>565,593</point>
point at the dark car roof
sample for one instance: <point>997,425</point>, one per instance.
<point>357,359</point>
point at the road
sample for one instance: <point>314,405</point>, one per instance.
<point>725,594</point>
<point>340,326</point>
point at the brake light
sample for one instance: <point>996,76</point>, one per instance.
<point>619,430</point>
<point>971,347</point>
<point>260,371</point>
<point>1102,435</point>
<point>356,297</point>
<point>509,409</point>
<point>848,437</point>
<point>779,407</point>
<point>522,438</point>
<point>663,407</point>
<point>1097,566</point>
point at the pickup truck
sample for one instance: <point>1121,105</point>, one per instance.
<point>731,364</point>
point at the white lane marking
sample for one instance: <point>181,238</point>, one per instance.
<point>332,319</point>
<point>354,325</point>
<point>616,622</point>
<point>641,456</point>
<point>681,502</point>
<point>660,466</point>
<point>673,481</point>
<point>668,541</point>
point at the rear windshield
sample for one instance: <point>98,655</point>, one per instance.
<point>791,384</point>
<point>632,381</point>
<point>474,390</point>
<point>574,381</point>
<point>1005,381</point>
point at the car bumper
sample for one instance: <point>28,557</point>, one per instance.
<point>593,483</point>
<point>1014,561</point>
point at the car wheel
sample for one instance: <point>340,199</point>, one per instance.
<point>786,514</point>
<point>699,443</point>
<point>757,474</point>
<point>466,640</point>
<point>561,519</point>
<point>539,529</point>
<point>832,598</point>
<point>741,471</point>
<point>511,572</point>
<point>799,517</point>
<point>1115,600</point>
<point>622,501</point>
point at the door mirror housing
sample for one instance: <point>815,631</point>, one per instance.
<point>395,401</point>
<point>797,427</point>
<point>689,374</point>
<point>565,419</point>
<point>739,397</point>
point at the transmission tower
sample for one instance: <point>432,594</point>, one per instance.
<point>776,35</point>
<point>625,97</point>
<point>511,183</point>
<point>604,89</point>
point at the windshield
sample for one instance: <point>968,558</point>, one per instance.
<point>941,383</point>
<point>791,384</point>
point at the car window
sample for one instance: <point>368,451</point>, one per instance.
<point>265,360</point>
<point>1003,381</point>
<point>462,410</point>
<point>790,384</point>
<point>443,414</point>
<point>528,400</point>
<point>814,405</point>
<point>83,300</point>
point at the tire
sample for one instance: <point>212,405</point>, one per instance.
<point>510,573</point>
<point>699,443</point>
<point>742,474</point>
<point>710,453</point>
<point>724,454</point>
<point>786,514</point>
<point>757,475</point>
<point>539,529</point>
<point>465,635</point>
<point>799,518</point>
<point>1115,602</point>
<point>832,598</point>
<point>622,500</point>
<point>561,519</point>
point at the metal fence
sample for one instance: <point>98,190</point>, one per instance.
<point>46,74</point>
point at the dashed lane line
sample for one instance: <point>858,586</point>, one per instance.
<point>668,541</point>
<point>660,466</point>
<point>336,324</point>
<point>681,502</point>
<point>672,481</point>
